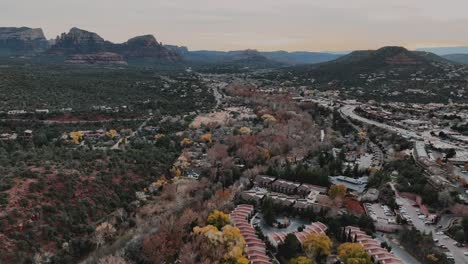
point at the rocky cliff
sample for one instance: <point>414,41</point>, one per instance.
<point>146,47</point>
<point>78,41</point>
<point>22,40</point>
<point>103,58</point>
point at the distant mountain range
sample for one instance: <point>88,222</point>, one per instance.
<point>22,40</point>
<point>399,61</point>
<point>446,50</point>
<point>460,58</point>
<point>78,41</point>
<point>284,57</point>
<point>29,41</point>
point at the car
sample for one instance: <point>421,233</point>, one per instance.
<point>443,246</point>
<point>440,233</point>
<point>465,253</point>
<point>436,240</point>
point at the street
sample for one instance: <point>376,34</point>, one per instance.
<point>458,253</point>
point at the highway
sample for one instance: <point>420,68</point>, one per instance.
<point>348,111</point>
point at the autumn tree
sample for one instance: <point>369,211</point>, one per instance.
<point>76,137</point>
<point>163,246</point>
<point>186,142</point>
<point>103,233</point>
<point>229,238</point>
<point>353,253</point>
<point>317,245</point>
<point>337,191</point>
<point>245,131</point>
<point>218,219</point>
<point>112,133</point>
<point>301,260</point>
<point>208,138</point>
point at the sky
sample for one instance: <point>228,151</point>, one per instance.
<point>293,25</point>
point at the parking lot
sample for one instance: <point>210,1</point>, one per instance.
<point>411,212</point>
<point>380,213</point>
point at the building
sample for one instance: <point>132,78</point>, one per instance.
<point>16,112</point>
<point>42,111</point>
<point>278,238</point>
<point>372,247</point>
<point>255,247</point>
<point>285,187</point>
<point>264,181</point>
<point>357,185</point>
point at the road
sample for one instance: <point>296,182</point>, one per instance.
<point>117,145</point>
<point>458,253</point>
<point>348,110</point>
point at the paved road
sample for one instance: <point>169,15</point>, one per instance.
<point>117,145</point>
<point>458,253</point>
<point>348,110</point>
<point>397,250</point>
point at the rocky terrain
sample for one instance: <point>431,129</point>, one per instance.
<point>25,40</point>
<point>97,59</point>
<point>78,41</point>
<point>145,47</point>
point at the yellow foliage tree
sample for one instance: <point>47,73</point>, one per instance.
<point>353,253</point>
<point>159,136</point>
<point>211,232</point>
<point>218,219</point>
<point>161,182</point>
<point>317,245</point>
<point>245,131</point>
<point>230,238</point>
<point>432,258</point>
<point>76,136</point>
<point>207,137</point>
<point>268,119</point>
<point>176,172</point>
<point>337,191</point>
<point>301,260</point>
<point>111,133</point>
<point>186,142</point>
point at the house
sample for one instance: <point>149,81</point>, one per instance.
<point>42,111</point>
<point>264,181</point>
<point>372,246</point>
<point>8,136</point>
<point>27,134</point>
<point>255,248</point>
<point>278,238</point>
<point>16,112</point>
<point>285,187</point>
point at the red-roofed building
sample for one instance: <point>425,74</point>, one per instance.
<point>372,247</point>
<point>255,247</point>
<point>278,238</point>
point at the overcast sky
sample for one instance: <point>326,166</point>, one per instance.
<point>311,25</point>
